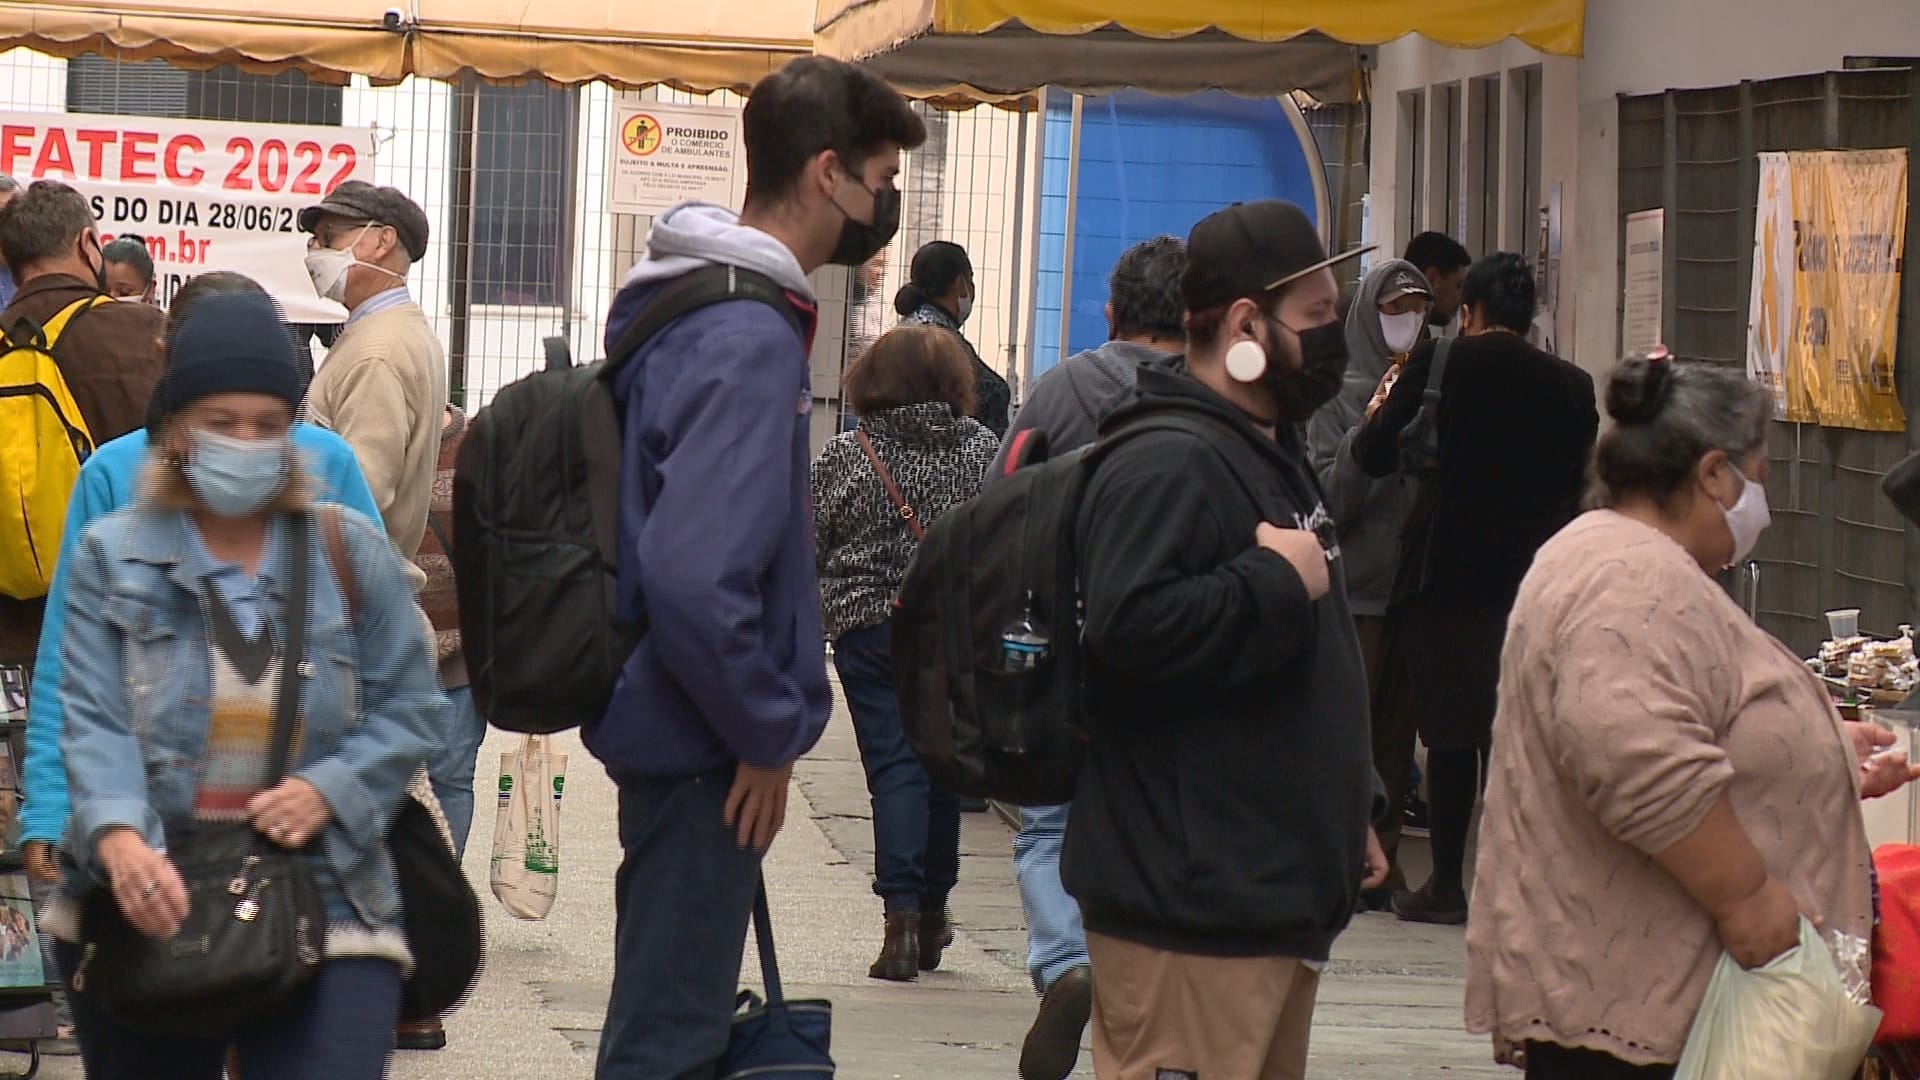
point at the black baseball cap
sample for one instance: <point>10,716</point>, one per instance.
<point>1252,248</point>
<point>357,200</point>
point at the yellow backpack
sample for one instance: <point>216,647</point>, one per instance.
<point>43,442</point>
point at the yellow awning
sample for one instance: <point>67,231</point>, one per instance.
<point>1003,48</point>
<point>695,44</point>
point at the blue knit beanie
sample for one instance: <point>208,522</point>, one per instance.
<point>229,343</point>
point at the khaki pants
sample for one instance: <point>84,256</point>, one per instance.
<point>1174,1016</point>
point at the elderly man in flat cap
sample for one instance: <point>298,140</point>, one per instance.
<point>383,388</point>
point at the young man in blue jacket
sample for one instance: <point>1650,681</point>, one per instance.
<point>729,685</point>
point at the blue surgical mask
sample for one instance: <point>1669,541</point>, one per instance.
<point>236,477</point>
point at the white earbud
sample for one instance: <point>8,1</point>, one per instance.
<point>1246,361</point>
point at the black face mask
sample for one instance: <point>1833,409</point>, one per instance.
<point>1297,395</point>
<point>860,240</point>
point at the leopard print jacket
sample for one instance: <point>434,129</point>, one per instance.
<point>861,546</point>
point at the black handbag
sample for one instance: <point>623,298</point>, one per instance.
<point>255,931</point>
<point>439,911</point>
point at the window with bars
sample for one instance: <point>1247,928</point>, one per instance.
<point>523,145</point>
<point>96,84</point>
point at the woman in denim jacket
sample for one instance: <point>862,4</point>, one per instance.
<point>171,648</point>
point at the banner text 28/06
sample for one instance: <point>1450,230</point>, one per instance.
<point>125,155</point>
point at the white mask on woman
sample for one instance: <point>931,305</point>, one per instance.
<point>1402,330</point>
<point>1747,518</point>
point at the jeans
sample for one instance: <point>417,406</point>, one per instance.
<point>452,769</point>
<point>1056,942</point>
<point>916,827</point>
<point>683,897</point>
<point>340,1027</point>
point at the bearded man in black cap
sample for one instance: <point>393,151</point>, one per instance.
<point>1220,833</point>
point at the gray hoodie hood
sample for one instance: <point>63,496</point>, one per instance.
<point>1367,352</point>
<point>693,235</point>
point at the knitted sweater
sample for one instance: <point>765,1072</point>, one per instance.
<point>382,388</point>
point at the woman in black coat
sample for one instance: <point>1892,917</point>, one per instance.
<point>1516,430</point>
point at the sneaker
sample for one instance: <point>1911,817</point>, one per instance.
<point>1380,899</point>
<point>1424,906</point>
<point>1414,821</point>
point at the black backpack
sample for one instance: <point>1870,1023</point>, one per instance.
<point>536,524</point>
<point>1420,439</point>
<point>980,729</point>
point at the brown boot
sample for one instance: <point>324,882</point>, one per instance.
<point>419,1035</point>
<point>936,934</point>
<point>900,952</point>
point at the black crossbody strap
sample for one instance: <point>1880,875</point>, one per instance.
<point>763,935</point>
<point>286,704</point>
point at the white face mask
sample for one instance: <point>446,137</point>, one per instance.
<point>328,268</point>
<point>966,308</point>
<point>1402,331</point>
<point>1747,518</point>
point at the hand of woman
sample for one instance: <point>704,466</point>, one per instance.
<point>1867,738</point>
<point>1884,774</point>
<point>1762,926</point>
<point>41,865</point>
<point>144,882</point>
<point>291,814</point>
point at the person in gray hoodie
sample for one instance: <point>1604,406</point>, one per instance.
<point>1146,319</point>
<point>1389,310</point>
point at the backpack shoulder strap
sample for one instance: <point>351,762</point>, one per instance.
<point>44,336</point>
<point>1204,430</point>
<point>1437,374</point>
<point>690,292</point>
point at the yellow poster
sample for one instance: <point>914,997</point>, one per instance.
<point>1849,232</point>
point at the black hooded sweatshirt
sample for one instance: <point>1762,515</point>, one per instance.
<point>1224,804</point>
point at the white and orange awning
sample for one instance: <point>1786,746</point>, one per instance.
<point>693,44</point>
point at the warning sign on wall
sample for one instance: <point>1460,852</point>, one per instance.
<point>664,155</point>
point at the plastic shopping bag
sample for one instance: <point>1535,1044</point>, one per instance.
<point>526,830</point>
<point>1793,1019</point>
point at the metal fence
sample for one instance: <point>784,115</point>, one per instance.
<point>1835,541</point>
<point>514,180</point>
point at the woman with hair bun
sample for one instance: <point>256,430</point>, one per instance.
<point>1516,426</point>
<point>939,292</point>
<point>1668,780</point>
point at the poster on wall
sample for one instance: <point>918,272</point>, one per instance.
<point>1771,300</point>
<point>203,194</point>
<point>1645,292</point>
<point>664,155</point>
<point>1826,285</point>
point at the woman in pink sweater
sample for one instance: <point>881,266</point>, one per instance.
<point>1668,781</point>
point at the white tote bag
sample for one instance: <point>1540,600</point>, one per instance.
<point>1793,1019</point>
<point>526,829</point>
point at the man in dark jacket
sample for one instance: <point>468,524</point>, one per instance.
<point>1146,319</point>
<point>1220,832</point>
<point>109,355</point>
<point>729,685</point>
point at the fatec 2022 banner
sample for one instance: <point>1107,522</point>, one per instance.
<point>1829,234</point>
<point>203,194</point>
